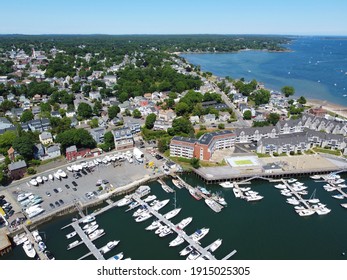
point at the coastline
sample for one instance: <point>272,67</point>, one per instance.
<point>329,106</point>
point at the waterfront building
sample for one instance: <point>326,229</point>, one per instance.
<point>72,153</point>
<point>123,138</point>
<point>182,147</point>
<point>17,169</point>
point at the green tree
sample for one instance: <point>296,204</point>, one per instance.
<point>247,115</point>
<point>79,137</point>
<point>261,96</point>
<point>302,100</point>
<point>163,144</point>
<point>273,118</point>
<point>113,112</point>
<point>94,123</point>
<point>97,107</point>
<point>181,108</point>
<point>45,107</point>
<point>84,110</point>
<point>150,120</point>
<point>288,91</point>
<point>181,126</point>
<point>221,126</point>
<point>195,163</point>
<point>137,114</point>
<point>6,140</point>
<point>6,105</point>
<point>24,145</point>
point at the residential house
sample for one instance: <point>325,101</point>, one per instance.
<point>213,104</point>
<point>272,168</point>
<point>39,151</point>
<point>209,118</point>
<point>46,138</point>
<point>110,80</point>
<point>98,134</point>
<point>17,112</point>
<point>162,125</point>
<point>285,144</point>
<point>94,95</point>
<point>53,151</point>
<point>55,114</point>
<point>194,119</point>
<point>72,153</point>
<point>70,114</point>
<point>36,110</point>
<point>123,138</point>
<point>134,127</point>
<point>166,115</point>
<point>318,112</point>
<point>5,125</point>
<point>254,134</point>
<point>39,125</point>
<point>17,169</point>
<point>224,116</point>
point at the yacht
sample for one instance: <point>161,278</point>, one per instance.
<point>50,177</point>
<point>227,185</point>
<point>215,245</point>
<point>195,194</point>
<point>23,196</point>
<point>338,196</point>
<point>36,236</point>
<point>33,182</point>
<point>73,244</point>
<point>39,179</point>
<point>44,178</point>
<point>177,241</point>
<point>165,232</point>
<point>280,186</point>
<point>150,198</point>
<point>293,201</point>
<point>109,246</point>
<point>177,183</point>
<point>34,211</point>
<point>143,217</point>
<point>156,224</point>
<point>172,213</point>
<point>292,180</point>
<point>91,229</point>
<point>305,212</point>
<point>88,219</point>
<point>117,257</point>
<point>199,234</point>
<point>71,234</point>
<point>185,222</point>
<point>237,192</point>
<point>20,238</point>
<point>160,229</point>
<point>143,190</point>
<point>193,255</point>
<point>139,211</point>
<point>95,234</point>
<point>187,250</point>
<point>316,177</point>
<point>329,188</point>
<point>213,205</point>
<point>89,225</point>
<point>29,249</point>
<point>160,204</point>
<point>124,201</point>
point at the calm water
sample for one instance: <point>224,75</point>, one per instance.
<point>316,67</point>
<point>269,229</point>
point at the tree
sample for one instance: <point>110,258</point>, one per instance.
<point>181,126</point>
<point>163,144</point>
<point>94,123</point>
<point>195,162</point>
<point>247,115</point>
<point>261,96</point>
<point>6,140</point>
<point>45,107</point>
<point>150,120</point>
<point>6,105</point>
<point>24,145</point>
<point>302,100</point>
<point>84,110</point>
<point>273,118</point>
<point>181,108</point>
<point>113,112</point>
<point>108,144</point>
<point>137,114</point>
<point>79,137</point>
<point>221,126</point>
<point>97,107</point>
<point>288,91</point>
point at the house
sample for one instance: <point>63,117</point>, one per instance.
<point>94,95</point>
<point>70,114</point>
<point>215,105</point>
<point>55,114</point>
<point>98,134</point>
<point>110,80</point>
<point>194,119</point>
<point>46,138</point>
<point>17,169</point>
<point>134,127</point>
<point>39,151</point>
<point>162,125</point>
<point>318,112</point>
<point>12,154</point>
<point>17,112</point>
<point>39,125</point>
<point>166,115</point>
<point>272,168</point>
<point>72,153</point>
<point>117,121</point>
<point>53,151</point>
<point>36,110</point>
<point>5,124</point>
<point>123,138</point>
<point>209,118</point>
<point>224,116</point>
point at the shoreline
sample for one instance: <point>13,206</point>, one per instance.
<point>337,109</point>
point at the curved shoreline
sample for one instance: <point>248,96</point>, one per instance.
<point>329,106</point>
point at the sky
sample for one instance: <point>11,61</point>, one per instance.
<point>288,17</point>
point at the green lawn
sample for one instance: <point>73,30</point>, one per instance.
<point>327,151</point>
<point>243,162</point>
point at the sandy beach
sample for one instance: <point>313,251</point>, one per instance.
<point>334,108</point>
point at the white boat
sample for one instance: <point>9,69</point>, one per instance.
<point>293,201</point>
<point>140,211</point>
<point>91,229</point>
<point>292,180</point>
<point>109,246</point>
<point>297,184</point>
<point>215,245</point>
<point>193,255</point>
<point>177,241</point>
<point>124,201</point>
<point>143,190</point>
<point>20,238</point>
<point>73,244</point>
<point>165,232</point>
<point>177,183</point>
<point>329,188</point>
<point>69,168</point>
<point>338,181</point>
<point>29,249</point>
<point>322,210</point>
<point>305,212</point>
<point>160,229</point>
<point>316,177</point>
<point>227,185</point>
<point>160,204</point>
<point>169,215</point>
<point>117,257</point>
<point>23,196</point>
<point>254,197</point>
<point>89,225</point>
<point>36,235</point>
<point>50,177</point>
<point>88,219</point>
<point>245,189</point>
<point>143,217</point>
<point>344,205</point>
<point>39,179</point>
<point>187,250</point>
<point>299,208</point>
<point>286,193</point>
<point>95,234</point>
<point>338,196</point>
<point>213,205</point>
<point>150,198</point>
<point>71,234</point>
<point>199,234</point>
<point>185,222</point>
<point>342,186</point>
<point>280,186</point>
<point>34,211</point>
<point>57,176</point>
<point>44,178</point>
<point>61,173</point>
<point>237,192</point>
<point>156,224</point>
<point>33,182</point>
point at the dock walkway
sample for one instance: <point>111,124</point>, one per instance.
<point>298,196</point>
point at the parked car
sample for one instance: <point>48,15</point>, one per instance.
<point>74,183</point>
<point>67,186</point>
<point>57,203</point>
<point>52,205</point>
<point>48,193</point>
<point>55,190</point>
<point>61,201</point>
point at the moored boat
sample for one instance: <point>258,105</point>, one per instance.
<point>150,198</point>
<point>177,241</point>
<point>213,205</point>
<point>71,234</point>
<point>195,194</point>
<point>227,185</point>
<point>199,234</point>
<point>154,225</point>
<point>214,245</point>
<point>73,244</point>
<point>344,205</point>
<point>88,219</point>
<point>185,222</point>
<point>29,249</point>
<point>96,234</point>
<point>160,204</point>
<point>117,257</point>
<point>187,250</point>
<point>89,225</point>
<point>91,229</point>
<point>143,217</point>
<point>177,183</point>
<point>109,246</point>
<point>169,215</point>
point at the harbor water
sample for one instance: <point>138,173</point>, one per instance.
<point>269,229</point>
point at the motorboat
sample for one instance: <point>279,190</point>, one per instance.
<point>49,255</point>
<point>338,196</point>
<point>286,193</point>
<point>280,186</point>
<point>215,245</point>
<point>342,186</point>
<point>177,241</point>
<point>139,211</point>
<point>293,201</point>
<point>36,235</point>
<point>156,224</point>
<point>23,196</point>
<point>204,191</point>
<point>299,208</point>
<point>195,194</point>
<point>187,250</point>
<point>71,234</point>
<point>89,225</point>
<point>42,246</point>
<point>50,177</point>
<point>199,234</point>
<point>237,192</point>
<point>322,210</point>
<point>150,198</point>
<point>109,246</point>
<point>34,211</point>
<point>88,219</point>
<point>33,182</point>
<point>160,229</point>
<point>329,188</point>
<point>316,177</point>
<point>169,215</point>
<point>227,185</point>
<point>160,204</point>
<point>297,184</point>
<point>305,212</point>
<point>193,255</point>
<point>299,188</point>
<point>61,173</point>
<point>57,176</point>
<point>219,198</point>
<point>213,205</point>
<point>20,238</point>
<point>254,198</point>
<point>124,201</point>
<point>117,257</point>
<point>185,222</point>
<point>95,234</point>
<point>344,205</point>
<point>292,180</point>
<point>91,229</point>
<point>73,244</point>
<point>143,217</point>
<point>165,232</point>
<point>39,179</point>
<point>177,183</point>
<point>244,189</point>
<point>132,205</point>
<point>143,190</point>
<point>44,178</point>
<point>29,249</point>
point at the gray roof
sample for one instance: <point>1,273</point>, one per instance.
<point>17,165</point>
<point>185,139</point>
<point>71,149</point>
<point>53,148</point>
<point>46,135</point>
<point>287,140</point>
<point>207,137</point>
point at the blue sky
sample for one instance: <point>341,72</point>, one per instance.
<point>297,17</point>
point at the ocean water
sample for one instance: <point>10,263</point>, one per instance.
<point>316,67</point>
<point>265,230</point>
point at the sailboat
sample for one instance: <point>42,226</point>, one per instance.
<point>312,198</point>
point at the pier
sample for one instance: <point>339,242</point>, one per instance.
<point>298,196</point>
<point>229,255</point>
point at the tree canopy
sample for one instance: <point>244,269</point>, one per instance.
<point>288,91</point>
<point>150,120</point>
<point>84,110</point>
<point>79,137</point>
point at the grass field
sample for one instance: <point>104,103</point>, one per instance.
<point>243,162</point>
